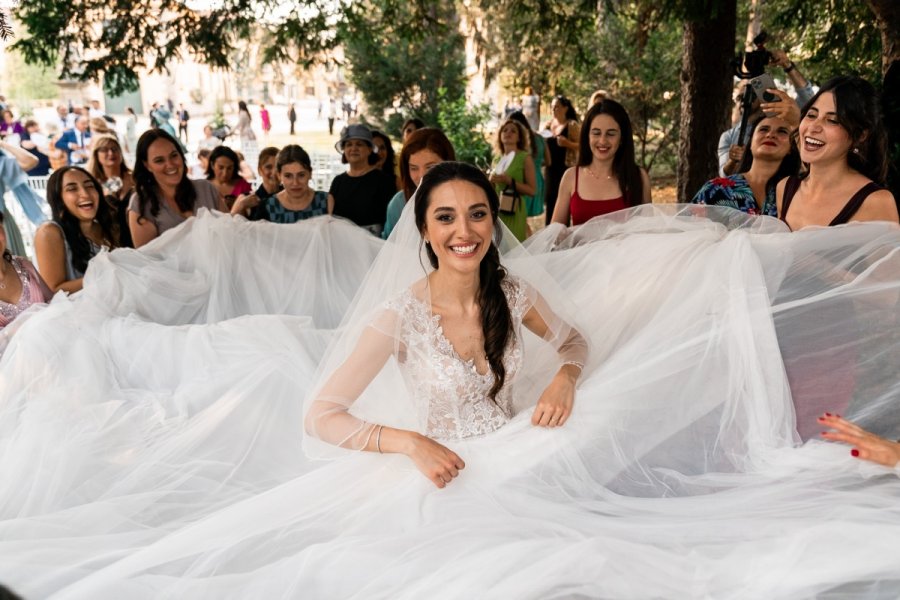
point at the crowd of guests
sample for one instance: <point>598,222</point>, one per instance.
<point>821,164</point>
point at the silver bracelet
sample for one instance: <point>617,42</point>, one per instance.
<point>378,439</point>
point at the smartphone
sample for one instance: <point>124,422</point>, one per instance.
<point>761,84</point>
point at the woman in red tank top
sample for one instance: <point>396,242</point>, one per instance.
<point>606,178</point>
<point>843,145</point>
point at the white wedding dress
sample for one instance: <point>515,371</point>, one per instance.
<point>153,440</point>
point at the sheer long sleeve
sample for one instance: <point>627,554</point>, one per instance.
<point>570,345</point>
<point>328,417</point>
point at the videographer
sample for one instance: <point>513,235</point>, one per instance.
<point>731,149</point>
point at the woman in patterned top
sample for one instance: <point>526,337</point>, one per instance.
<point>20,285</point>
<point>297,201</point>
<point>772,156</point>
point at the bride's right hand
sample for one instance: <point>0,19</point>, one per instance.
<point>438,463</point>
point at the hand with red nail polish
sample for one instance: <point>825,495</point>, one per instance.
<point>866,445</point>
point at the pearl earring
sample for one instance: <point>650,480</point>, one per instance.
<point>856,151</point>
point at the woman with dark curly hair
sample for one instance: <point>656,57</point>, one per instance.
<point>164,196</point>
<point>82,226</point>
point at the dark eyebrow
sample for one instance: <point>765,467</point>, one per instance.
<point>479,205</point>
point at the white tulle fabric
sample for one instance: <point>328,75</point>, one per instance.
<point>151,427</point>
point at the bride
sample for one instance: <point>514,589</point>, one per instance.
<point>204,419</point>
<point>456,335</point>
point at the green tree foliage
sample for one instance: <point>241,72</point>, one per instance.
<point>464,126</point>
<point>641,53</point>
<point>827,37</point>
<point>87,39</point>
<point>542,44</point>
<point>399,55</point>
<point>28,82</point>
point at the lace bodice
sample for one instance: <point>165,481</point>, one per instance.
<point>450,390</point>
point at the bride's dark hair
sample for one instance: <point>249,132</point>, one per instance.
<point>496,322</point>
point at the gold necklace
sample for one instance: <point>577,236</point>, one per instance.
<point>595,176</point>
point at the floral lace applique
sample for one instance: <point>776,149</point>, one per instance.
<point>451,390</point>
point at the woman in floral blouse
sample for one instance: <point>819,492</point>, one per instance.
<point>772,156</point>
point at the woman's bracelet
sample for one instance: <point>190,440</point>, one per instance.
<point>378,439</point>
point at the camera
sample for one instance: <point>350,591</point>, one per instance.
<point>748,65</point>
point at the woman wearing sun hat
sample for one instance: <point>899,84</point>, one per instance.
<point>363,192</point>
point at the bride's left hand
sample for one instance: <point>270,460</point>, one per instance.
<point>555,404</point>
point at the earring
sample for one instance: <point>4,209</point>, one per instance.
<point>427,242</point>
<point>856,151</point>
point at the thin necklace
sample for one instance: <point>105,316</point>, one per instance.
<point>595,176</point>
<point>3,275</point>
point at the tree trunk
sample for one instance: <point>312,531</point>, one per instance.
<point>887,16</point>
<point>706,83</point>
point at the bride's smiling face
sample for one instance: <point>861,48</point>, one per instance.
<point>458,225</point>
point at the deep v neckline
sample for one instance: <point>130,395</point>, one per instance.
<point>446,345</point>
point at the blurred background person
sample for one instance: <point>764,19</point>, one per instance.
<point>99,126</point>
<point>540,154</point>
<point>183,118</point>
<point>422,149</point>
<point>562,134</point>
<point>410,126</point>
<point>76,142</point>
<point>386,158</point>
<point>130,139</point>
<point>265,120</point>
<point>363,192</point>
<point>296,201</point>
<point>244,129</point>
<point>38,145</point>
<point>107,166</point>
<point>223,172</point>
<point>531,108</point>
<point>513,176</point>
<point>209,140</point>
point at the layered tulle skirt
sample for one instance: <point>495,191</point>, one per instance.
<point>151,427</point>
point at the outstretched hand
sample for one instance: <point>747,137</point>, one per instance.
<point>437,462</point>
<point>866,445</point>
<point>555,404</point>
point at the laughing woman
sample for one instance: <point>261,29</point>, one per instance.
<point>844,147</point>
<point>82,225</point>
